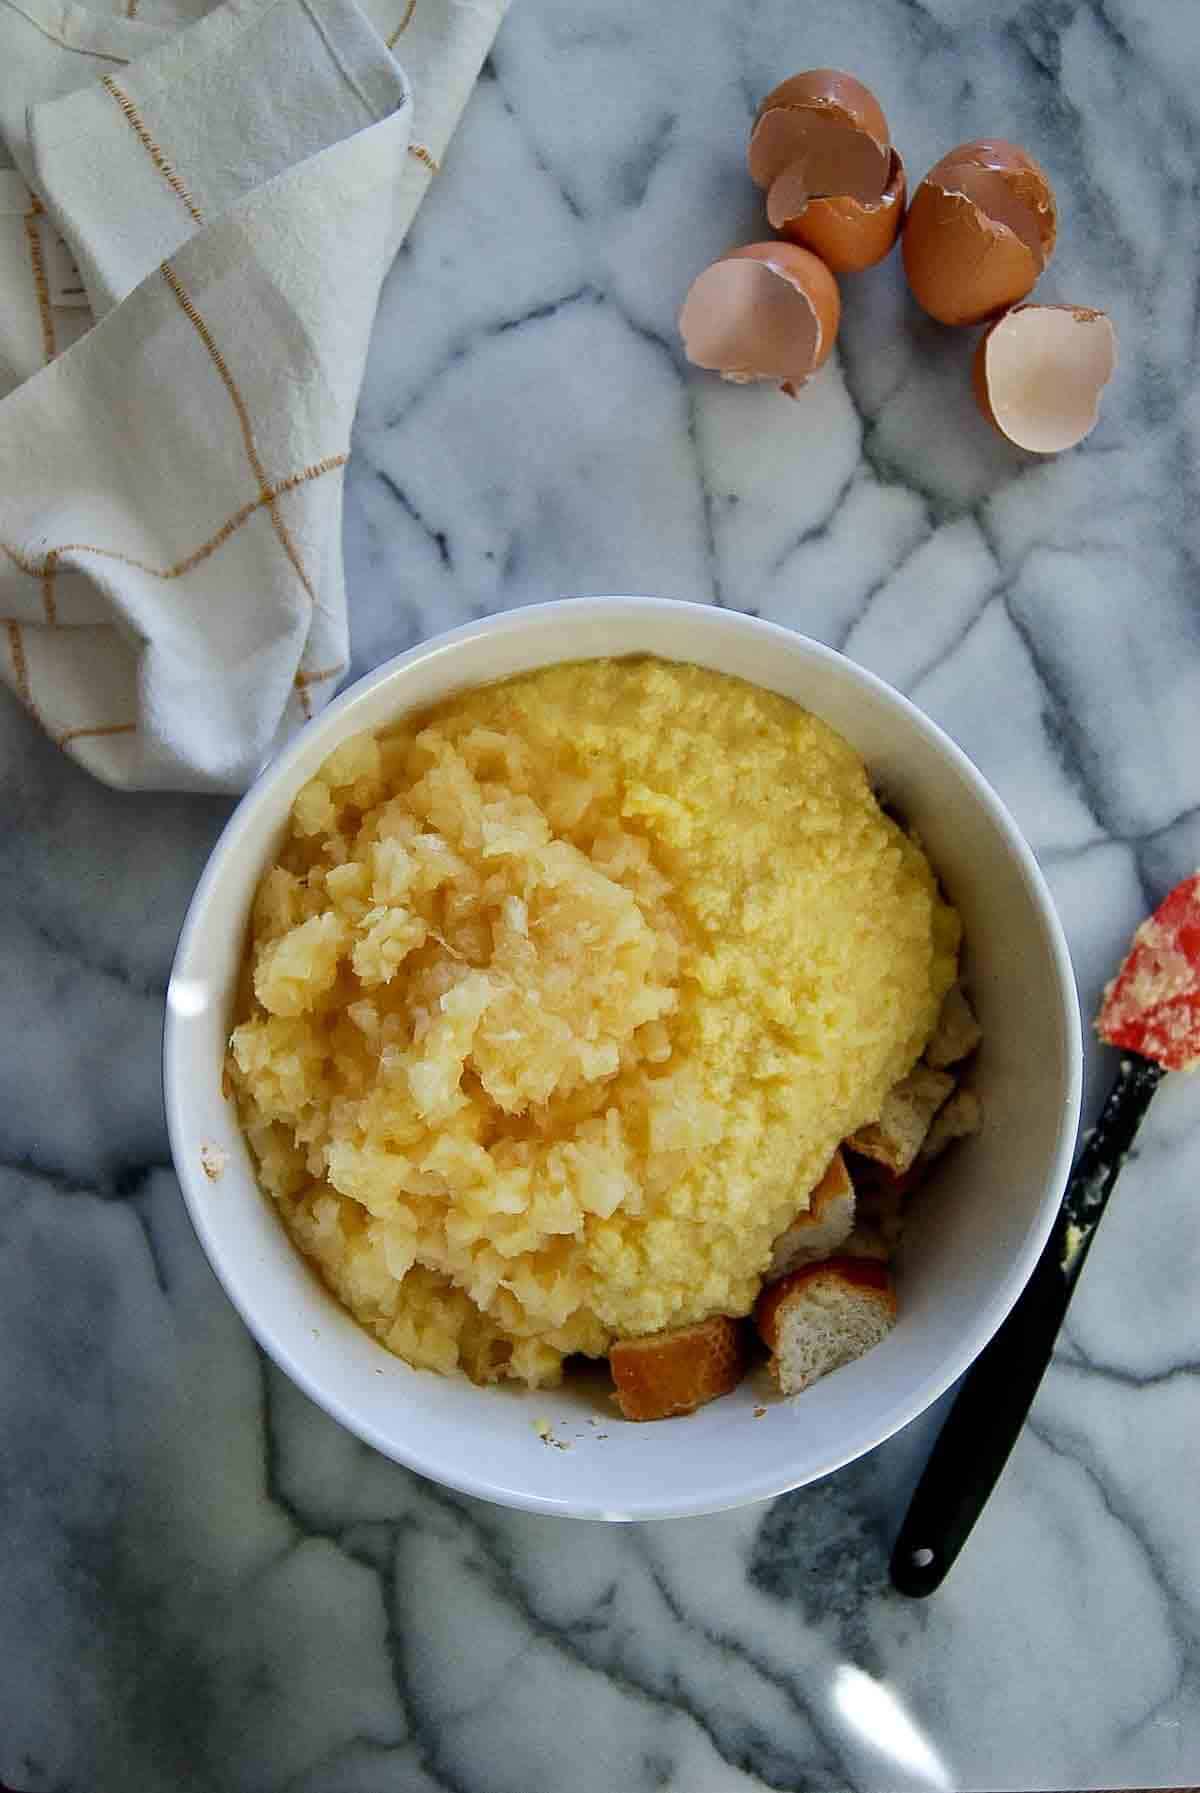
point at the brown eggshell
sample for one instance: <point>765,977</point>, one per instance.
<point>673,1373</point>
<point>1039,372</point>
<point>827,159</point>
<point>962,267</point>
<point>979,231</point>
<point>1025,179</point>
<point>832,90</point>
<point>769,311</point>
<point>829,124</point>
<point>847,235</point>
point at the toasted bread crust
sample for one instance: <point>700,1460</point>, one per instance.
<point>908,1111</point>
<point>867,1274</point>
<point>873,1180</point>
<point>834,1183</point>
<point>675,1372</point>
<point>833,1196</point>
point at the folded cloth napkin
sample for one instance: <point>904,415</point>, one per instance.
<point>195,221</point>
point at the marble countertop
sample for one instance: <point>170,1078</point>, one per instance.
<point>204,1582</point>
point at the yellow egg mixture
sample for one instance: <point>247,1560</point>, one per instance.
<point>558,1001</point>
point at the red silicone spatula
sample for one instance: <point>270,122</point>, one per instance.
<point>1151,1011</point>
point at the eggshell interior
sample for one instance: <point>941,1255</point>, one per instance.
<point>1040,371</point>
<point>822,154</point>
<point>833,91</point>
<point>997,199</point>
<point>1023,178</point>
<point>746,320</point>
<point>846,234</point>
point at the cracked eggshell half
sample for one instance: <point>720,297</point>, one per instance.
<point>820,135</point>
<point>769,311</point>
<point>815,104</point>
<point>1039,373</point>
<point>980,230</point>
<point>848,234</point>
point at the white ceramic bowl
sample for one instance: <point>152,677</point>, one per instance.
<point>975,1235</point>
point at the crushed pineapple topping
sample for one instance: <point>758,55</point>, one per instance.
<point>558,1001</point>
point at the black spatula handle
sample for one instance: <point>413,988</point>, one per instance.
<point>990,1409</point>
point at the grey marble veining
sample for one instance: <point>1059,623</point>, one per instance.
<point>204,1582</point>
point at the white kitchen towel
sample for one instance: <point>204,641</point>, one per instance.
<point>193,234</point>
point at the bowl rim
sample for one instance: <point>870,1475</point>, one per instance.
<point>243,823</point>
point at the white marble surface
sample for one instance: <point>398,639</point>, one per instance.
<point>204,1583</point>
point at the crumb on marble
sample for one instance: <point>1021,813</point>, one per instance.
<point>759,1412</point>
